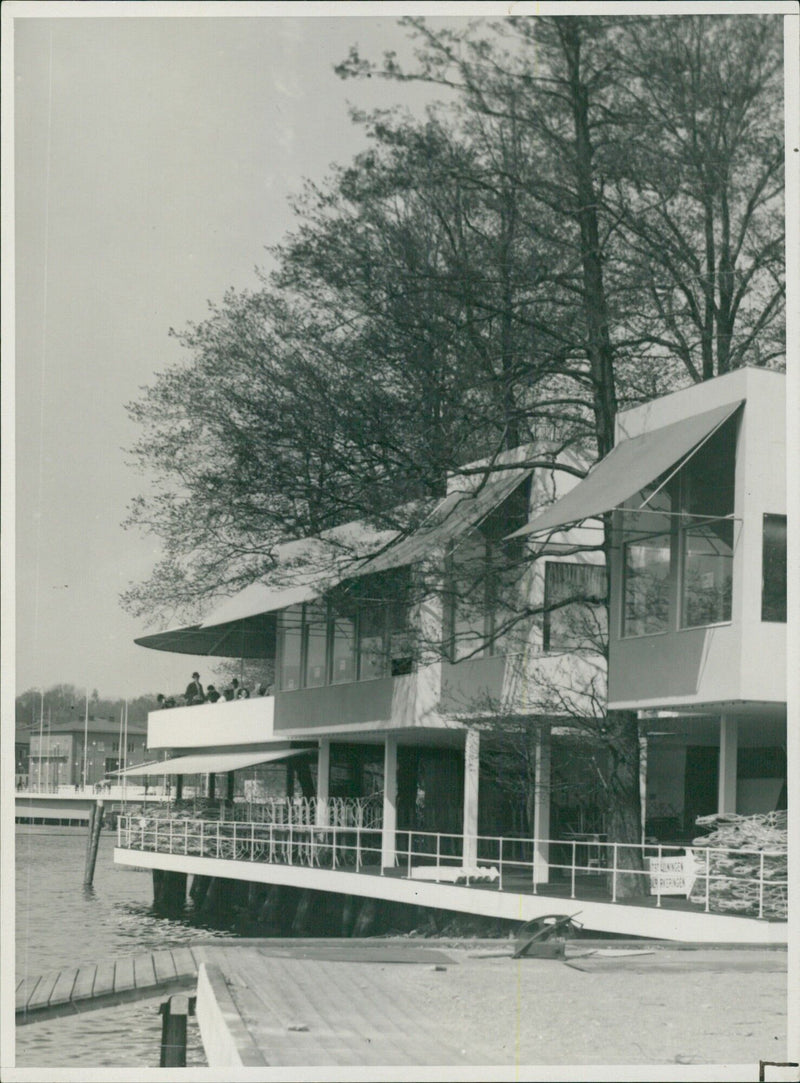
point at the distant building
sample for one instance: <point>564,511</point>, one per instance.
<point>22,749</point>
<point>57,757</point>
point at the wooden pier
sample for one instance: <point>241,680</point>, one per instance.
<point>103,984</point>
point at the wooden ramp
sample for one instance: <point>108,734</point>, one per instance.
<point>324,1005</point>
<point>101,985</point>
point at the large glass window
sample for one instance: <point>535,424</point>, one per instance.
<point>372,641</point>
<point>291,645</point>
<point>647,562</point>
<point>707,494</point>
<point>707,573</point>
<point>343,650</point>
<point>316,645</point>
<point>575,616</point>
<point>468,585</point>
<point>773,581</point>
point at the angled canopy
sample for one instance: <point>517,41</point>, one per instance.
<point>629,467</point>
<point>210,763</point>
<point>456,513</point>
<point>253,638</point>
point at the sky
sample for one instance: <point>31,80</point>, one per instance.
<point>153,161</point>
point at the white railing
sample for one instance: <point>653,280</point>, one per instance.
<point>311,811</point>
<point>748,882</point>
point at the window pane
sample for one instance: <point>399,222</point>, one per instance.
<point>647,585</point>
<point>582,623</point>
<point>400,640</point>
<point>372,642</point>
<point>773,594</point>
<point>316,634</point>
<point>291,627</point>
<point>344,637</point>
<point>707,572</point>
<point>468,585</point>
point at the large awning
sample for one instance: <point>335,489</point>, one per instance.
<point>628,468</point>
<point>209,763</point>
<point>244,626</point>
<point>457,513</point>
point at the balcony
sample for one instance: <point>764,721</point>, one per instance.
<point>208,725</point>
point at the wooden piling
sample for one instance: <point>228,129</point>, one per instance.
<point>93,842</point>
<point>174,1015</point>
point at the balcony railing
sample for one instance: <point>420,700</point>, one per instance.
<point>744,882</point>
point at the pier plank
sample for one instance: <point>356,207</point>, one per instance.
<point>184,960</point>
<point>104,978</point>
<point>144,970</point>
<point>40,996</point>
<point>62,990</point>
<point>84,982</point>
<point>164,965</point>
<point>25,990</point>
<point>124,976</point>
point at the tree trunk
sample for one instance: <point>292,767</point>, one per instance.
<point>624,814</point>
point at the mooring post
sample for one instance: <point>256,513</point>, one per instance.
<point>174,1014</point>
<point>95,824</point>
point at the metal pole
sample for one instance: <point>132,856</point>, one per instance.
<point>574,844</point>
<point>85,738</point>
<point>614,876</point>
<point>761,885</point>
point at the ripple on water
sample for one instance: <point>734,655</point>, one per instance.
<point>126,1036</point>
<point>59,924</point>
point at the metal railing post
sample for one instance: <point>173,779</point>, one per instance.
<point>333,855</point>
<point>358,847</point>
<point>500,862</point>
<point>708,879</point>
<point>291,854</point>
<point>143,827</point>
<point>155,837</point>
<point>533,868</point>
<point>170,836</point>
<point>410,846</point>
<point>658,878</point>
<point>252,841</point>
<point>761,885</point>
<point>574,845</point>
<point>218,838</point>
<point>614,875</point>
<point>202,839</point>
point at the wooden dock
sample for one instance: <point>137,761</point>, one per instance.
<point>101,985</point>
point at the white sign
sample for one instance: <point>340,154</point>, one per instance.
<point>672,875</point>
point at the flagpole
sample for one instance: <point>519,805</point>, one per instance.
<point>85,738</point>
<point>41,742</point>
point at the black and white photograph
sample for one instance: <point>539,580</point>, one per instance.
<point>401,423</point>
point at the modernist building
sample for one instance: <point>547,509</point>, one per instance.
<point>697,645</point>
<point>399,673</point>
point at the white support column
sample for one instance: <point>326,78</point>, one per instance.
<point>472,747</point>
<point>728,756</point>
<point>389,830</point>
<point>541,805</point>
<point>323,780</point>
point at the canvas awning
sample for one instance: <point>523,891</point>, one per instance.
<point>210,763</point>
<point>628,468</point>
<point>457,513</point>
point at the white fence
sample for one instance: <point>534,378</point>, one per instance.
<point>747,882</point>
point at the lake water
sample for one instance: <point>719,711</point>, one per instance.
<point>59,923</point>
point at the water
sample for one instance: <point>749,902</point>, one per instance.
<point>59,923</point>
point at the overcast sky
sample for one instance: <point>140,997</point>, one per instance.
<point>154,157</point>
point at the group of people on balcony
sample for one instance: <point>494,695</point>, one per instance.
<point>194,693</point>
